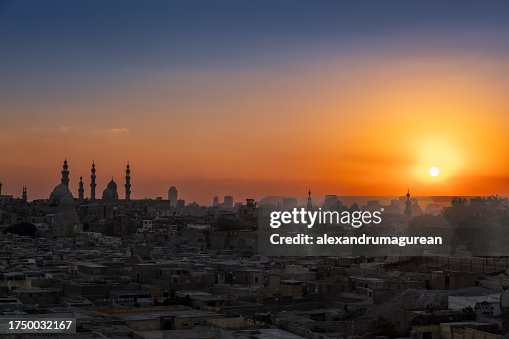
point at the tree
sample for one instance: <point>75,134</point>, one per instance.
<point>480,223</point>
<point>22,228</point>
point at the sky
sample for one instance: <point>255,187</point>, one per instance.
<point>256,98</point>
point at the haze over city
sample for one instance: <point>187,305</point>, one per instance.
<point>253,99</point>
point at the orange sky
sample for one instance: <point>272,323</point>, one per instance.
<point>365,125</point>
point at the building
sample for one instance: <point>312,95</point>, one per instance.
<point>173,196</point>
<point>228,201</point>
<point>110,193</point>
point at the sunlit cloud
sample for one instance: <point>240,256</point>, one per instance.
<point>120,130</point>
<point>115,130</point>
<point>65,129</point>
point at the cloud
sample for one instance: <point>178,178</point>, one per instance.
<point>120,130</point>
<point>114,130</point>
<point>65,129</point>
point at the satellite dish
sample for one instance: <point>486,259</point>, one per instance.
<point>504,299</point>
<point>505,283</point>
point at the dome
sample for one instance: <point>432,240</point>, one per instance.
<point>110,193</point>
<point>112,185</point>
<point>60,191</point>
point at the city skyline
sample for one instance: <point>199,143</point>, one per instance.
<point>256,103</point>
<point>92,192</point>
<point>88,189</point>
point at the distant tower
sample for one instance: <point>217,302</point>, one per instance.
<point>81,190</point>
<point>309,206</point>
<point>127,183</point>
<point>0,189</point>
<point>215,201</point>
<point>228,201</point>
<point>173,196</point>
<point>24,194</point>
<point>408,205</point>
<point>65,174</point>
<point>92,182</point>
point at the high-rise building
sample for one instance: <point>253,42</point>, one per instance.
<point>173,196</point>
<point>215,201</point>
<point>228,201</point>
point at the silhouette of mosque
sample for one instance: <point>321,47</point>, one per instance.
<point>66,221</point>
<point>109,194</point>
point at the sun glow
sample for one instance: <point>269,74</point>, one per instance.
<point>434,171</point>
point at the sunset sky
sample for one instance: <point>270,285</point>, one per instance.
<point>256,98</point>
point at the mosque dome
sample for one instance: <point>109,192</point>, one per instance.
<point>60,191</point>
<point>110,192</point>
<point>112,185</point>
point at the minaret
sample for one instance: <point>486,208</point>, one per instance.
<point>408,205</point>
<point>65,174</point>
<point>92,182</point>
<point>24,194</point>
<point>81,190</point>
<point>127,183</point>
<point>309,205</point>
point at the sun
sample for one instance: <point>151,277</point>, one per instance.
<point>433,171</point>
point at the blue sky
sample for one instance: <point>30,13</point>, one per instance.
<point>95,39</point>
